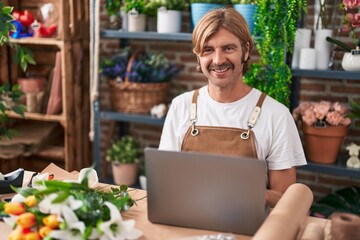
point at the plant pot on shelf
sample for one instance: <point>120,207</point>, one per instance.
<point>168,21</point>
<point>322,145</point>
<point>124,173</point>
<point>351,62</point>
<point>248,12</point>
<point>198,10</point>
<point>136,21</point>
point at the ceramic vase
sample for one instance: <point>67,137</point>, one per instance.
<point>136,21</point>
<point>198,10</point>
<point>322,48</point>
<point>168,21</point>
<point>322,145</point>
<point>124,173</point>
<point>351,62</point>
<point>302,40</point>
<point>248,12</point>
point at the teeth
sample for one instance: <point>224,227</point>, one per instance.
<point>220,70</point>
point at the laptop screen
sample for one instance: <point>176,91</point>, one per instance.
<point>205,191</point>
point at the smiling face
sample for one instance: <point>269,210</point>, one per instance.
<point>221,59</point>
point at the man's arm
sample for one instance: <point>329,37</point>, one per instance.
<point>279,181</point>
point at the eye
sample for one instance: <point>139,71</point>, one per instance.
<point>207,51</point>
<point>229,49</point>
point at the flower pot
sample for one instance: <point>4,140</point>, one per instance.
<point>124,173</point>
<point>136,21</point>
<point>168,21</point>
<point>322,145</point>
<point>143,182</point>
<point>351,62</point>
<point>248,11</point>
<point>198,10</point>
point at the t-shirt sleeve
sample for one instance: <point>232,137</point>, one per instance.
<point>286,150</point>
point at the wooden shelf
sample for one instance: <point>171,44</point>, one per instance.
<point>38,41</point>
<point>38,116</point>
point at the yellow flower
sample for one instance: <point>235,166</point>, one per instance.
<point>26,220</point>
<point>44,231</point>
<point>14,208</point>
<point>31,201</point>
<point>51,221</point>
<point>32,236</point>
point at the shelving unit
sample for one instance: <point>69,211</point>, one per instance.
<point>339,168</point>
<point>72,42</point>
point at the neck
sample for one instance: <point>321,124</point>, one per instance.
<point>228,94</point>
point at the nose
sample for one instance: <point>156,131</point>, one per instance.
<point>219,57</point>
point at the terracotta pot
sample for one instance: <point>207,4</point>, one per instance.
<point>322,145</point>
<point>125,173</point>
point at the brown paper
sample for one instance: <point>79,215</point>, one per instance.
<point>345,226</point>
<point>285,219</point>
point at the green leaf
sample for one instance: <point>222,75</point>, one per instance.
<point>62,195</point>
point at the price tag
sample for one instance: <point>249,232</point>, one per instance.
<point>355,51</point>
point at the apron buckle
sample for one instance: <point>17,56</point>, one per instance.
<point>245,135</point>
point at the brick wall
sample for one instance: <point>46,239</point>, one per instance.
<point>188,79</point>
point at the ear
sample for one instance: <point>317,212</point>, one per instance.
<point>247,53</point>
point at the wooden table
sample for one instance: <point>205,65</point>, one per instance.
<point>156,231</point>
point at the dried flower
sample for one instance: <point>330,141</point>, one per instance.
<point>322,113</point>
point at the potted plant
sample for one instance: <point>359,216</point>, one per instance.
<point>124,155</point>
<point>247,8</point>
<point>145,83</point>
<point>168,14</point>
<point>136,11</point>
<point>351,58</point>
<point>199,8</point>
<point>324,125</point>
<point>113,10</point>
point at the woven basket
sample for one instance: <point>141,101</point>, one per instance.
<point>129,97</point>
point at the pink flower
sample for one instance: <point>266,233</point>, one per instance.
<point>339,108</point>
<point>356,20</point>
<point>324,112</point>
<point>351,3</point>
<point>321,109</point>
<point>334,118</point>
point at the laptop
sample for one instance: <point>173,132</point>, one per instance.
<point>205,191</point>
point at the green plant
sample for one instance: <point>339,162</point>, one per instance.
<point>275,26</point>
<point>169,4</point>
<point>112,7</point>
<point>343,200</point>
<point>138,5</point>
<point>354,111</point>
<point>124,150</point>
<point>10,95</point>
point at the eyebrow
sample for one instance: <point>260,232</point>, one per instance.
<point>223,46</point>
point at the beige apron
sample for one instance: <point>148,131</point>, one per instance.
<point>221,140</point>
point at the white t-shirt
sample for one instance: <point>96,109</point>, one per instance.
<point>276,136</point>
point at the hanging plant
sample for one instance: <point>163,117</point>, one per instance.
<point>275,27</point>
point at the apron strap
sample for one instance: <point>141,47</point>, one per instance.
<point>193,113</point>
<point>254,116</point>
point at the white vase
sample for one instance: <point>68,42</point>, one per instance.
<point>136,21</point>
<point>124,21</point>
<point>307,58</point>
<point>168,21</point>
<point>302,40</point>
<point>322,48</point>
<point>351,62</point>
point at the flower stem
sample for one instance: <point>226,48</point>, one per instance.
<point>345,47</point>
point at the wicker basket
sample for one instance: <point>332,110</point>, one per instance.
<point>129,97</point>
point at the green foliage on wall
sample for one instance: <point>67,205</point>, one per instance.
<point>275,28</point>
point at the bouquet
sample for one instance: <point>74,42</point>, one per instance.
<point>350,22</point>
<point>321,114</point>
<point>52,209</point>
<point>115,67</point>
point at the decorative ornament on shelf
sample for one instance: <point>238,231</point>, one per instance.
<point>53,209</point>
<point>353,161</point>
<point>350,23</point>
<point>324,126</point>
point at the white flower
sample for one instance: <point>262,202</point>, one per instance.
<point>38,181</point>
<point>74,228</point>
<point>116,228</point>
<point>92,177</point>
<point>46,205</point>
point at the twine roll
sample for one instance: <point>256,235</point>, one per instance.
<point>345,226</point>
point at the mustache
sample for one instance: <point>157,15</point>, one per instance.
<point>221,67</point>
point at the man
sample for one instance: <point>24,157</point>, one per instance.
<point>227,116</point>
